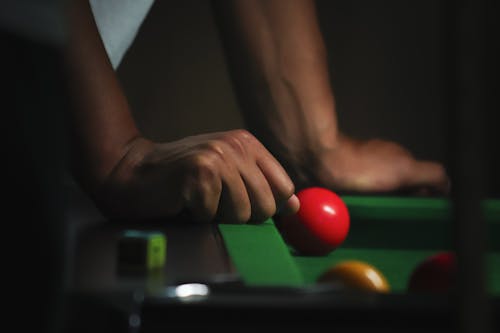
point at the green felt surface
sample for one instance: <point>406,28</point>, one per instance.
<point>396,265</point>
<point>260,255</point>
<point>393,234</point>
<point>396,208</point>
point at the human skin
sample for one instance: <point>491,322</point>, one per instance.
<point>278,61</point>
<point>226,176</point>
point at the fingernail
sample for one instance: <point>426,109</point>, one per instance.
<point>290,207</point>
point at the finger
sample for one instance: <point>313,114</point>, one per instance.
<point>274,175</point>
<point>234,205</point>
<point>203,191</point>
<point>260,194</point>
<point>431,175</point>
<point>204,201</point>
<point>280,183</point>
<point>291,207</point>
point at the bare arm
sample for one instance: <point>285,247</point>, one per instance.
<point>228,176</point>
<point>104,127</point>
<point>279,65</point>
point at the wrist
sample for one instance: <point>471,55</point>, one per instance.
<point>134,153</point>
<point>302,142</point>
<point>115,192</point>
<point>303,152</point>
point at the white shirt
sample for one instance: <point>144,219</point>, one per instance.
<point>118,22</point>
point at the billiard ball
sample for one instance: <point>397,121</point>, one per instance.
<point>435,274</point>
<point>321,224</point>
<point>355,275</point>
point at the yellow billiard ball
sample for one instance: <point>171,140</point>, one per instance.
<point>356,275</point>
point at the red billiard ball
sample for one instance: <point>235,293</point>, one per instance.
<point>436,274</point>
<point>321,224</point>
<point>355,275</point>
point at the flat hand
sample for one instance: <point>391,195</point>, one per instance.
<point>228,176</point>
<point>373,166</point>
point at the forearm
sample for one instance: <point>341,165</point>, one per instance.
<point>279,66</point>
<point>101,122</point>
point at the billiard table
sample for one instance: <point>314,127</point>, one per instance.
<point>245,276</point>
<point>392,233</point>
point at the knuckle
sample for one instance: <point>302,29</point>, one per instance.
<point>288,189</point>
<point>207,186</point>
<point>285,191</point>
<point>204,165</point>
<point>242,134</point>
<point>239,140</point>
<point>215,149</point>
<point>203,177</point>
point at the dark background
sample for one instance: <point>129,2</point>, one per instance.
<point>385,68</point>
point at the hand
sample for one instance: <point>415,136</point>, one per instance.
<point>227,176</point>
<point>373,166</point>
